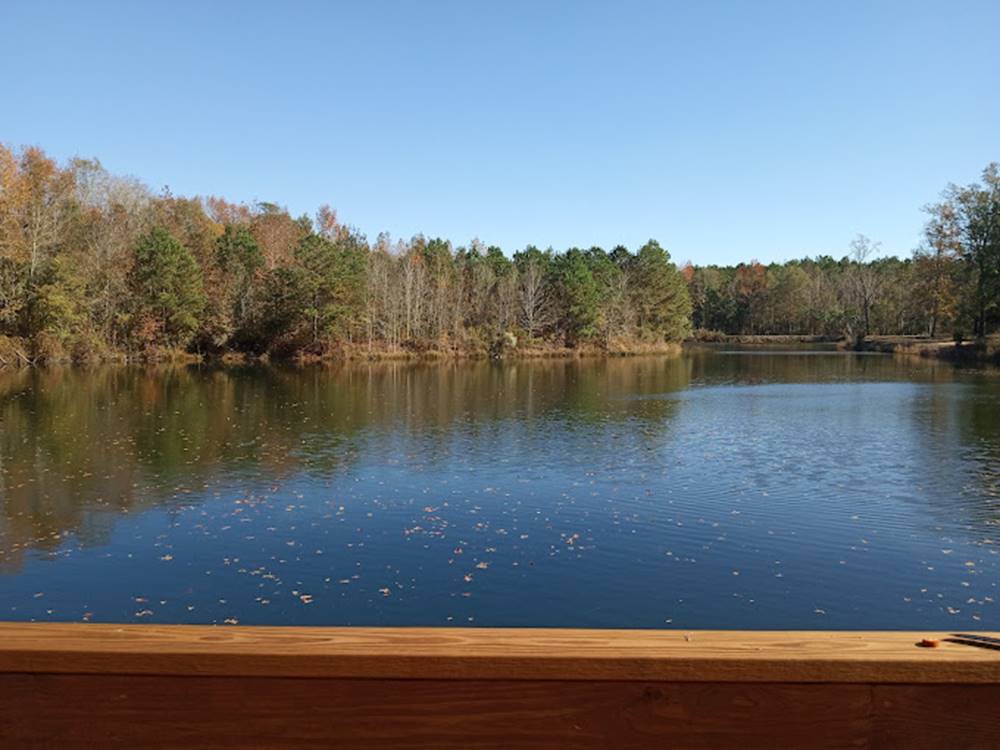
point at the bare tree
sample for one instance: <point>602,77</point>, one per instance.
<point>507,299</point>
<point>619,317</point>
<point>863,279</point>
<point>534,298</point>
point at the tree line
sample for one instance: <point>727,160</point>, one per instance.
<point>950,284</point>
<point>94,265</point>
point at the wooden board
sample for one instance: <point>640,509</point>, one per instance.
<point>85,685</point>
<point>137,711</point>
<point>494,653</point>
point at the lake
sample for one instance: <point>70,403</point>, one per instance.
<point>723,488</point>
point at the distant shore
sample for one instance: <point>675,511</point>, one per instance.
<point>964,353</point>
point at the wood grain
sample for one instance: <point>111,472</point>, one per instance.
<point>69,711</point>
<point>501,654</point>
<point>923,716</point>
<point>143,711</point>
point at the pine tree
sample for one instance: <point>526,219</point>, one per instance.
<point>659,294</point>
<point>167,285</point>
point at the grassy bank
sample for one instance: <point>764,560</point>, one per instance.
<point>16,353</point>
<point>704,336</point>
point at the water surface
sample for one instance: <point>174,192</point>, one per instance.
<point>762,488</point>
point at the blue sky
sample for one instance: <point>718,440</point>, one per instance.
<point>727,130</point>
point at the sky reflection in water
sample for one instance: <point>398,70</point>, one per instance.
<point>714,490</point>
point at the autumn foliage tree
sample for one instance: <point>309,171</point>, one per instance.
<point>95,265</point>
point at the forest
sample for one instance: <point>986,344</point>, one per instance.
<point>950,285</point>
<point>95,266</point>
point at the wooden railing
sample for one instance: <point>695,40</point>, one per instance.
<point>88,685</point>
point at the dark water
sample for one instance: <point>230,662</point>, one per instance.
<point>759,489</point>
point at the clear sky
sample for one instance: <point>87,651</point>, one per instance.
<point>727,130</point>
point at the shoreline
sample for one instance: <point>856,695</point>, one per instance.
<point>13,357</point>
<point>715,337</point>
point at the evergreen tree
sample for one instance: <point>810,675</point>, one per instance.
<point>239,261</point>
<point>579,295</point>
<point>332,278</point>
<point>167,287</point>
<point>659,294</point>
